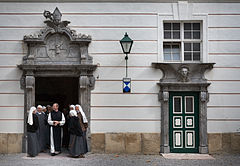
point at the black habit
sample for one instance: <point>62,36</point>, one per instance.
<point>55,131</point>
<point>41,132</point>
<point>33,146</point>
<point>76,146</point>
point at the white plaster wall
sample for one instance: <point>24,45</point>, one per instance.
<point>113,111</point>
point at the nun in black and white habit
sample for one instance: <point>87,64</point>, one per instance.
<point>76,148</point>
<point>32,127</point>
<point>84,125</point>
<point>42,131</point>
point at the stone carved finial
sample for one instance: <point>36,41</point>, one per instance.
<point>56,25</point>
<point>183,73</point>
<point>57,15</point>
<point>54,19</point>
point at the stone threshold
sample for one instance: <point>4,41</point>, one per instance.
<point>187,156</point>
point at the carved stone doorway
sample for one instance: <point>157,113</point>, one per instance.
<point>57,51</point>
<point>183,77</point>
<point>63,90</point>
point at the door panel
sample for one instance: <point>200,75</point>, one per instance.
<point>183,122</point>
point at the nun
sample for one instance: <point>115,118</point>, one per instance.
<point>32,127</point>
<point>76,148</point>
<point>41,133</point>
<point>65,139</point>
<point>47,133</point>
<point>49,110</point>
<point>84,125</point>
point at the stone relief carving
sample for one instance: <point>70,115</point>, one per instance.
<point>165,96</point>
<point>183,75</point>
<point>23,82</point>
<point>57,47</point>
<point>183,72</point>
<point>57,43</point>
<point>54,24</point>
<point>204,96</point>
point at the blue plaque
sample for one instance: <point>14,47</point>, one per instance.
<point>126,85</point>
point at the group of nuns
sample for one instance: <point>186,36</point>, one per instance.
<point>44,126</point>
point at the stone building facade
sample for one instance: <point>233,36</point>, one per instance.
<point>184,68</point>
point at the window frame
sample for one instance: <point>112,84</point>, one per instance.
<point>182,41</point>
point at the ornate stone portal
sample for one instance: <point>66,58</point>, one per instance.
<point>179,77</point>
<point>57,51</point>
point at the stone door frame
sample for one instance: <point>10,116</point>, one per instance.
<point>86,84</point>
<point>175,80</point>
<point>57,51</point>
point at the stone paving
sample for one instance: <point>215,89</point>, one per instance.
<point>119,160</point>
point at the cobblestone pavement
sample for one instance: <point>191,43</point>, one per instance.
<point>115,160</point>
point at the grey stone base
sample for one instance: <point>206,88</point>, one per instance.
<point>203,149</point>
<point>164,149</point>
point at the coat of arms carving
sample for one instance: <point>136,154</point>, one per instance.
<point>57,43</point>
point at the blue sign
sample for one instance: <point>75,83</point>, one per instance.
<point>126,85</point>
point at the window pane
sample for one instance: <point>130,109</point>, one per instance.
<point>167,56</point>
<point>187,46</point>
<point>176,56</point>
<point>187,56</point>
<point>196,46</point>
<point>171,51</point>
<point>187,26</point>
<point>189,105</point>
<point>167,49</point>
<point>176,35</point>
<point>167,26</point>
<point>175,49</point>
<point>176,26</point>
<point>167,35</point>
<point>196,26</point>
<point>196,56</point>
<point>177,104</point>
<point>187,35</point>
<point>196,35</point>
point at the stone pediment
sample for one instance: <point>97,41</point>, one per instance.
<point>57,43</point>
<point>183,72</point>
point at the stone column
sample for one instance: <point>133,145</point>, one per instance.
<point>164,99</point>
<point>86,84</point>
<point>29,101</point>
<point>203,137</point>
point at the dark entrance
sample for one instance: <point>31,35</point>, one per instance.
<point>61,90</point>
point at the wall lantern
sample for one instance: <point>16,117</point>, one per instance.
<point>126,44</point>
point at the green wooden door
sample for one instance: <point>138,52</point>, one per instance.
<point>184,122</point>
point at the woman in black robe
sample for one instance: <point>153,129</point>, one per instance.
<point>32,127</point>
<point>76,148</point>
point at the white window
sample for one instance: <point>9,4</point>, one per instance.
<point>182,41</point>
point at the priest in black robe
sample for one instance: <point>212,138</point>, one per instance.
<point>56,119</point>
